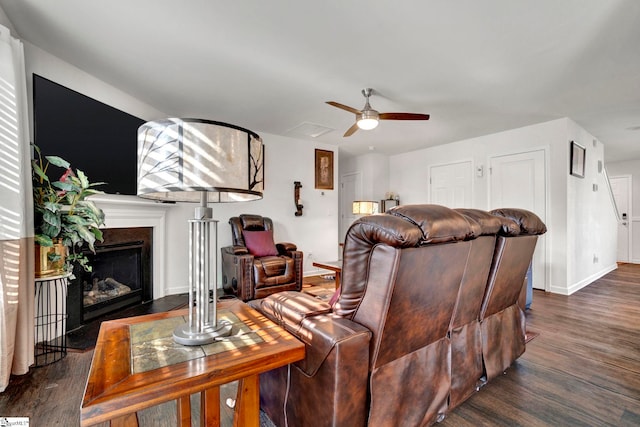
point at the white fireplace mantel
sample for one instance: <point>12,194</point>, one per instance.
<point>131,211</point>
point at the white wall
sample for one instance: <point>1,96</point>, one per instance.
<point>410,175</point>
<point>42,63</point>
<point>374,170</point>
<point>375,173</point>
<point>4,20</point>
<point>592,225</point>
<point>591,232</point>
<point>629,167</point>
<point>286,160</point>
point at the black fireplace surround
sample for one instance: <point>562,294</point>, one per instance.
<point>121,276</point>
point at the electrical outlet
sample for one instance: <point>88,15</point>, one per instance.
<point>595,258</point>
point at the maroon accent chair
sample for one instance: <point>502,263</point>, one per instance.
<point>248,276</point>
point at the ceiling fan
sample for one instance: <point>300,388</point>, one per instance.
<point>367,118</point>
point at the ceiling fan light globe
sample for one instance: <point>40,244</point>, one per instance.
<point>368,119</point>
<point>367,124</point>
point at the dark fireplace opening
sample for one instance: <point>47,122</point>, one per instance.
<point>116,279</point>
<point>121,276</point>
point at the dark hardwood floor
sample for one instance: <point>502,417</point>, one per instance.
<point>582,370</point>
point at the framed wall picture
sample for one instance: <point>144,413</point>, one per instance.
<point>577,159</point>
<point>324,169</point>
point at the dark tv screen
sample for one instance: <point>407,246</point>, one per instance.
<point>94,137</point>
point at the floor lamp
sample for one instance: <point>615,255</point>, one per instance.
<point>193,160</point>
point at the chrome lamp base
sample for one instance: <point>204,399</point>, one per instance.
<point>184,335</point>
<point>203,325</point>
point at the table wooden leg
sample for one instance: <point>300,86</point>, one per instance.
<point>183,409</point>
<point>247,410</point>
<point>338,274</point>
<point>129,420</point>
<point>210,407</point>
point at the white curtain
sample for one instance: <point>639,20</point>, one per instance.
<point>16,215</point>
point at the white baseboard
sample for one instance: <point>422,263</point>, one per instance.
<point>173,290</point>
<point>581,284</point>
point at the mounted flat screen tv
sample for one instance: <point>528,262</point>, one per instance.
<point>94,137</point>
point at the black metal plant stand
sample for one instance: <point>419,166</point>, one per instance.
<point>50,319</point>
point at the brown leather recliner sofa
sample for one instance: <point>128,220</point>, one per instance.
<point>426,300</point>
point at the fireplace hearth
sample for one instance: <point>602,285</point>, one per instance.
<point>121,276</point>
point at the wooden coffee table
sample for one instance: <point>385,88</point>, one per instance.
<point>126,377</point>
<point>335,266</point>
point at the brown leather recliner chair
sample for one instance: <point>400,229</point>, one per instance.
<point>255,266</point>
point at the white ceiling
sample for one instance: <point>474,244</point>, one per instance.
<point>478,67</point>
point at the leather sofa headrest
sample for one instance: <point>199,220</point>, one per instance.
<point>391,230</point>
<point>438,224</point>
<point>491,224</point>
<point>527,221</point>
<point>407,226</point>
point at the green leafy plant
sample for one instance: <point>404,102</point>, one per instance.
<point>61,211</point>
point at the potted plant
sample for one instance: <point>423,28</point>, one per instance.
<point>65,221</point>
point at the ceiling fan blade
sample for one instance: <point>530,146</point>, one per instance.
<point>403,116</point>
<point>344,107</point>
<point>351,130</point>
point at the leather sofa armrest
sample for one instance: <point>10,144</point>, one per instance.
<point>311,321</point>
<point>285,248</point>
<point>235,250</point>
<point>237,278</point>
<point>323,333</point>
<point>290,308</point>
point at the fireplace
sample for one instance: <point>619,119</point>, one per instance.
<point>121,276</point>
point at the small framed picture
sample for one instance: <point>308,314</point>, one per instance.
<point>577,159</point>
<point>324,169</point>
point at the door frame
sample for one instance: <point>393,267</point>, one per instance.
<point>547,196</point>
<point>345,207</point>
<point>629,179</point>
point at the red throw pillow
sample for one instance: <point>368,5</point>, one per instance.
<point>260,243</point>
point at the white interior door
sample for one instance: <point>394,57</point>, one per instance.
<point>621,188</point>
<point>350,190</point>
<point>451,185</point>
<point>519,181</point>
